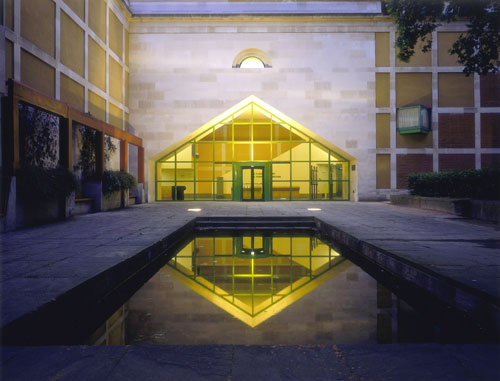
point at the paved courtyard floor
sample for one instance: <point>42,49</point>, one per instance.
<point>41,263</point>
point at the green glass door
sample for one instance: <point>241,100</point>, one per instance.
<point>252,183</point>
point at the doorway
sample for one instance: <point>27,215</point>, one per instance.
<point>252,182</point>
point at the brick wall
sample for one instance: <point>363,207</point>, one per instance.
<point>456,161</point>
<point>456,130</point>
<point>490,160</point>
<point>412,163</point>
<point>490,90</point>
<point>490,130</point>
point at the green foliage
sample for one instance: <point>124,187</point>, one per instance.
<point>113,181</point>
<point>37,183</point>
<point>477,49</point>
<point>39,137</point>
<point>478,184</point>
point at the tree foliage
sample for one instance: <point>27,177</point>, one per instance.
<point>477,49</point>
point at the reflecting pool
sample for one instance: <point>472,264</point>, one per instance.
<point>253,288</point>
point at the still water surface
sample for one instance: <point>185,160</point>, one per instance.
<point>252,288</point>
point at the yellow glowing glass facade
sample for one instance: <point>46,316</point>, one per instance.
<point>252,155</point>
<point>254,277</point>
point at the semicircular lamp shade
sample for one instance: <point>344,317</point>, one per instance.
<point>252,63</point>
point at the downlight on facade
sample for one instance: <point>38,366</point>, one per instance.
<point>252,153</point>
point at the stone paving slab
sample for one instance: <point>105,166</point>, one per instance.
<point>41,263</point>
<point>334,362</point>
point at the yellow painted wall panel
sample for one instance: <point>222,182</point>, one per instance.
<point>77,6</point>
<point>72,45</point>
<point>9,14</point>
<point>126,88</point>
<point>445,42</point>
<point>72,92</point>
<point>9,59</point>
<point>382,89</point>
<point>115,116</point>
<point>413,89</point>
<point>414,140</point>
<point>97,18</point>
<point>455,90</point>
<point>97,64</point>
<point>382,49</point>
<point>419,58</point>
<point>115,35</point>
<point>37,74</point>
<point>383,125</point>
<point>126,46</point>
<point>115,80</point>
<point>97,106</point>
<point>42,34</point>
<point>383,171</point>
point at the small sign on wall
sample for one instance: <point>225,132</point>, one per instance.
<point>413,120</point>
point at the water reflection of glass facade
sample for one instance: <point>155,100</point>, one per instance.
<point>294,166</point>
<point>252,273</point>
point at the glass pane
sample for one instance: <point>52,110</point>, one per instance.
<point>204,171</point>
<point>185,153</point>
<point>242,132</point>
<point>204,152</point>
<point>281,191</point>
<point>223,152</point>
<point>223,132</point>
<point>318,152</point>
<point>246,174</point>
<point>340,190</point>
<point>164,191</point>
<point>204,246</point>
<point>319,171</point>
<point>258,186</point>
<point>300,171</point>
<point>204,190</point>
<point>223,190</point>
<point>242,152</point>
<point>337,170</point>
<point>300,190</point>
<point>185,191</point>
<point>281,245</point>
<point>244,115</point>
<point>280,132</point>
<point>281,171</point>
<point>320,191</point>
<point>301,246</point>
<point>224,246</point>
<point>261,132</point>
<point>223,171</point>
<point>300,152</point>
<point>299,136</point>
<point>185,171</point>
<point>260,115</point>
<point>165,171</point>
<point>261,152</point>
<point>281,151</point>
<point>206,136</point>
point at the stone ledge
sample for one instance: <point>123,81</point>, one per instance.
<point>488,210</point>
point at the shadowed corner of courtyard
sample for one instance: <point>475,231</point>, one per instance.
<point>451,256</point>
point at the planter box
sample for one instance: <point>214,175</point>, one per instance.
<point>115,200</point>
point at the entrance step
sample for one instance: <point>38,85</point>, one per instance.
<point>261,223</point>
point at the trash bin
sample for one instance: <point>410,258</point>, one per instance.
<point>178,191</point>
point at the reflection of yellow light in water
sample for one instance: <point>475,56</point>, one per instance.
<point>266,293</point>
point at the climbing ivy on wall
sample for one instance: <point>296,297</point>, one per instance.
<point>39,137</point>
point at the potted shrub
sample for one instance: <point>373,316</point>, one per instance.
<point>115,189</point>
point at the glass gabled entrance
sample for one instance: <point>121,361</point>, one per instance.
<point>250,155</point>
